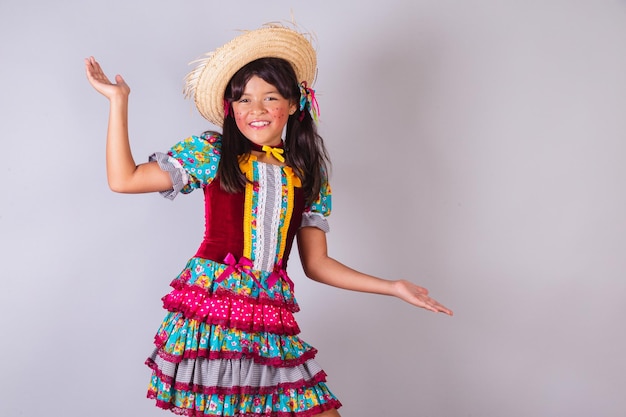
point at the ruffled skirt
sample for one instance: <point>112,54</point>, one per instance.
<point>229,346</point>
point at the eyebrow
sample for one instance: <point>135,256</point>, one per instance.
<point>266,92</point>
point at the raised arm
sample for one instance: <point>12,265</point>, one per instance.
<point>320,267</point>
<point>123,174</point>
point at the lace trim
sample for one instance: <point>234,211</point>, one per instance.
<point>178,175</point>
<point>314,219</point>
<point>260,207</point>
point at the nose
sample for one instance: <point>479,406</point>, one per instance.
<point>258,107</point>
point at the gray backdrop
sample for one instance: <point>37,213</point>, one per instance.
<point>478,149</point>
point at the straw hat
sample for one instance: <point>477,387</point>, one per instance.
<point>208,81</point>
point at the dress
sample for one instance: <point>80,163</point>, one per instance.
<point>229,343</point>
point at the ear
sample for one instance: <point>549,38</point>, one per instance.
<point>292,109</point>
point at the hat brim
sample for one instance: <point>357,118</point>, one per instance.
<point>208,82</point>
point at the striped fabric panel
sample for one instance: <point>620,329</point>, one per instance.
<point>177,174</point>
<point>244,374</point>
<point>315,220</point>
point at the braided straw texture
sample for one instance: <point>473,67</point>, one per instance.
<point>207,82</point>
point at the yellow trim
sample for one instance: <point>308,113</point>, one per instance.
<point>296,181</point>
<point>245,164</point>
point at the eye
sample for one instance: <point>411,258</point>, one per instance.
<point>243,100</point>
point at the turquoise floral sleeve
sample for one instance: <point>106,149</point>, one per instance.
<point>323,204</point>
<point>199,157</point>
<point>315,214</point>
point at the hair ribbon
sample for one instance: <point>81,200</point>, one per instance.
<point>226,108</point>
<point>308,101</point>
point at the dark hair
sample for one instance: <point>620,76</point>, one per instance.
<point>304,147</point>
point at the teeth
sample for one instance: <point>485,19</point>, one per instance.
<point>259,124</point>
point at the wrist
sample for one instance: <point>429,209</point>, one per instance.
<point>119,98</point>
<point>399,288</point>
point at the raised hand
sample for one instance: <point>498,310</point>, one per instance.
<point>101,83</point>
<point>418,296</point>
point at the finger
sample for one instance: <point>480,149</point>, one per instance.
<point>88,64</point>
<point>99,75</point>
<point>93,75</point>
<point>434,306</point>
<point>95,66</point>
<point>90,68</point>
<point>442,309</point>
<point>92,63</point>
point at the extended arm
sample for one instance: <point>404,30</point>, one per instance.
<point>123,174</point>
<point>320,267</point>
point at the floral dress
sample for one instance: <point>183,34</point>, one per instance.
<point>229,343</point>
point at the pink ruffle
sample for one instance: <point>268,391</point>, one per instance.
<point>263,298</point>
<point>226,309</point>
<point>218,354</point>
<point>330,405</point>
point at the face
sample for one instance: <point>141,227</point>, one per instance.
<point>261,113</point>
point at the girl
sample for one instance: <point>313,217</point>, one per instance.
<point>228,345</point>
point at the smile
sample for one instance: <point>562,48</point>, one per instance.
<point>259,124</point>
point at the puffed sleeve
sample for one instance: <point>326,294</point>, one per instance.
<point>191,163</point>
<point>316,214</point>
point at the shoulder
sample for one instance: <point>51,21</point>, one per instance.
<point>208,142</point>
<point>212,138</point>
<point>202,149</point>
<point>198,153</point>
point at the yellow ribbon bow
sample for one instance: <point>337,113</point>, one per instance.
<point>275,152</point>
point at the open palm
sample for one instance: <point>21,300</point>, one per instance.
<point>418,296</point>
<point>101,82</point>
